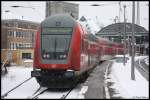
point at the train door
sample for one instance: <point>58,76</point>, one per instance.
<point>100,53</point>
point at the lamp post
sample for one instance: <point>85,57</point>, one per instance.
<point>124,36</point>
<point>133,41</point>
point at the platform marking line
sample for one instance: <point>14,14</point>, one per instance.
<point>83,90</point>
<point>105,86</point>
<point>142,67</point>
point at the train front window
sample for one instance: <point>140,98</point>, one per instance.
<point>55,46</point>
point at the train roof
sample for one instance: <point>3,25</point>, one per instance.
<point>106,41</point>
<point>94,38</point>
<point>59,20</point>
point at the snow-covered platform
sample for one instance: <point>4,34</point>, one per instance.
<point>122,86</point>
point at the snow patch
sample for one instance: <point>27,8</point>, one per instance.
<point>28,60</point>
<point>121,77</point>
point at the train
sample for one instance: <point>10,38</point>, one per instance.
<point>65,52</point>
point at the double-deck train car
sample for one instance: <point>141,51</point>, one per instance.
<point>65,51</point>
<point>108,48</point>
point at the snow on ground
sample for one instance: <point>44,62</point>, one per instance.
<point>15,76</point>
<point>147,61</point>
<point>28,60</point>
<point>18,74</point>
<point>140,57</point>
<point>75,94</point>
<point>25,90</point>
<point>124,86</point>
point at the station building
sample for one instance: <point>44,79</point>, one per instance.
<point>17,40</point>
<point>115,32</point>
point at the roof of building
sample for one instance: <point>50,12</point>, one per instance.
<point>18,20</point>
<point>119,27</point>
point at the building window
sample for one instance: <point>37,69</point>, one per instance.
<point>9,45</point>
<point>8,33</point>
<point>16,24</point>
<point>22,34</point>
<point>12,33</point>
<point>25,34</point>
<point>16,34</point>
<point>26,55</point>
<point>19,46</point>
<point>28,45</point>
<point>14,46</point>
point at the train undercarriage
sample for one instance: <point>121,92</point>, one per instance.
<point>59,79</point>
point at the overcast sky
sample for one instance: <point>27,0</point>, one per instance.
<point>35,11</point>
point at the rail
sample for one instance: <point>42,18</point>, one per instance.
<point>5,94</point>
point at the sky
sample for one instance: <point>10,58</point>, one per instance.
<point>35,11</point>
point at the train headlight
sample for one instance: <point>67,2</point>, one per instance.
<point>63,56</point>
<point>44,55</point>
<point>69,73</point>
<point>48,56</point>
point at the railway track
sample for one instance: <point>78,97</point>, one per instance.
<point>17,86</point>
<point>142,70</point>
<point>38,92</point>
<point>42,90</point>
<point>65,95</point>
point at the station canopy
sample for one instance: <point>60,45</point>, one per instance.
<point>119,27</point>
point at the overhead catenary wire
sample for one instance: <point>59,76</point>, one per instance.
<point>29,6</point>
<point>34,9</point>
<point>20,5</point>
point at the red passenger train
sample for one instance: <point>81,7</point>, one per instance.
<point>64,51</point>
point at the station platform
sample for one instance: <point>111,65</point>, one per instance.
<point>95,82</point>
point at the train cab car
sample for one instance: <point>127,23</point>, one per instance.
<point>61,52</point>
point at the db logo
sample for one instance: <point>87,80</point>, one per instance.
<point>53,66</point>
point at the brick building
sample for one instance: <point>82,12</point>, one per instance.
<point>17,38</point>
